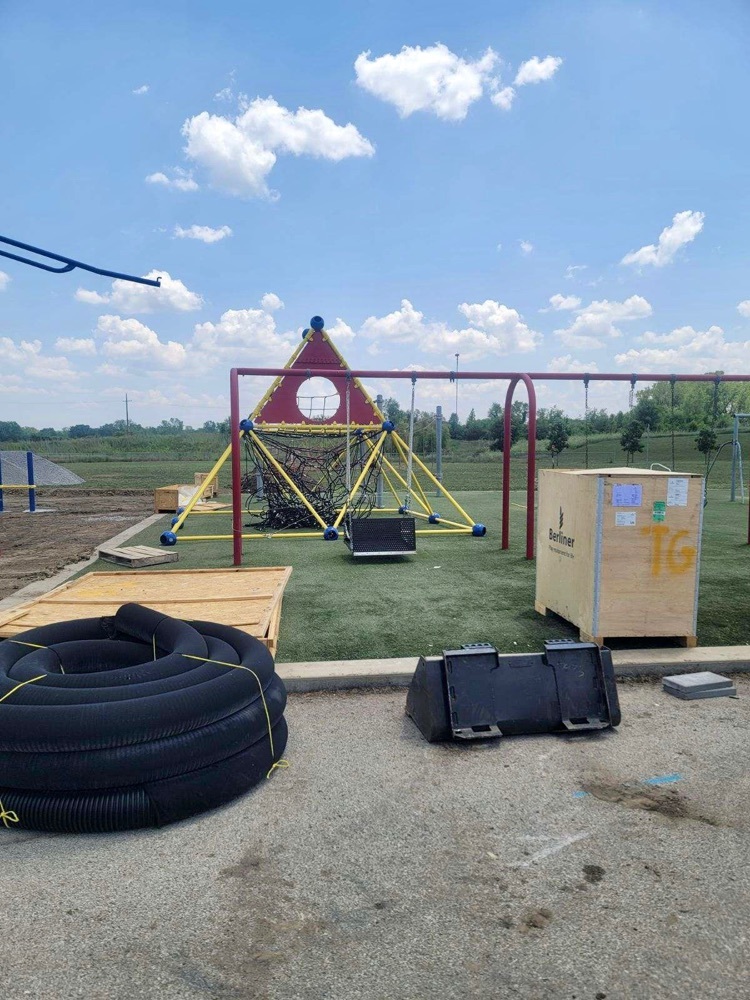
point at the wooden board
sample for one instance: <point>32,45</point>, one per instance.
<point>137,555</point>
<point>618,551</point>
<point>248,599</point>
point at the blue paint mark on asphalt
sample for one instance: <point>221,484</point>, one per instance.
<point>579,795</point>
<point>663,779</point>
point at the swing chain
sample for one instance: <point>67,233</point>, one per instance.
<point>715,414</point>
<point>672,383</point>
<point>409,464</point>
<point>631,397</point>
<point>586,380</point>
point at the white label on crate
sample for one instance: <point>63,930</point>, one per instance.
<point>627,495</point>
<point>677,492</point>
<point>625,520</point>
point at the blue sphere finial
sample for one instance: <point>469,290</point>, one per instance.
<point>317,323</point>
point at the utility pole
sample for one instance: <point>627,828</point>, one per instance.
<point>457,357</point>
<point>127,415</point>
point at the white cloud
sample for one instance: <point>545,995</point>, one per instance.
<point>271,302</point>
<point>21,351</point>
<point>432,79</point>
<point>341,332</point>
<point>504,98</point>
<point>56,368</point>
<point>142,90</point>
<point>4,281</point>
<point>526,247</point>
<point>536,70</point>
<point>687,350</point>
<point>685,227</point>
<point>598,320</point>
<point>111,371</point>
<point>225,94</point>
<point>239,153</point>
<point>743,308</point>
<point>567,363</point>
<point>78,345</point>
<point>129,340</point>
<point>496,329</point>
<point>182,180</point>
<point>203,233</point>
<point>563,302</point>
<point>572,269</point>
<point>249,331</point>
<point>133,298</point>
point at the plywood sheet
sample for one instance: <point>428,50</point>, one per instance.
<point>248,599</point>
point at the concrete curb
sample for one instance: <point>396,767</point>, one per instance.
<point>43,586</point>
<point>343,675</point>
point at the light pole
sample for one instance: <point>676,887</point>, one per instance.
<point>457,357</point>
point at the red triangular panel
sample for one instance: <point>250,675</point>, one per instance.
<point>317,352</point>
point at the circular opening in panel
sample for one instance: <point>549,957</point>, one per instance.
<point>318,399</point>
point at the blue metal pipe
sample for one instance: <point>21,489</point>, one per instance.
<point>69,262</point>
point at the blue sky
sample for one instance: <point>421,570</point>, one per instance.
<point>538,186</point>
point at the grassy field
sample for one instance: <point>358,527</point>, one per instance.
<point>456,589</point>
<point>470,465</point>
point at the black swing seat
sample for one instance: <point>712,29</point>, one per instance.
<point>381,536</point>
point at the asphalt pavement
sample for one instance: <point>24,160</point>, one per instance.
<point>378,867</point>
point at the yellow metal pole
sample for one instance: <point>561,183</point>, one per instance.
<point>401,479</point>
<point>443,531</point>
<point>373,455</point>
<point>430,476</point>
<point>397,474</point>
<point>280,469</point>
<point>258,535</point>
<point>415,481</point>
<point>391,487</point>
<point>199,490</point>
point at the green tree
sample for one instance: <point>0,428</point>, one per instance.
<point>10,430</point>
<point>706,442</point>
<point>647,412</point>
<point>558,440</point>
<point>630,439</point>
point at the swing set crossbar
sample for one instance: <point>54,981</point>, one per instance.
<point>528,378</point>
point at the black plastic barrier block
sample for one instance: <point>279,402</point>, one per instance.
<point>475,692</point>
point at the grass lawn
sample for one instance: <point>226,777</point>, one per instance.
<point>457,589</point>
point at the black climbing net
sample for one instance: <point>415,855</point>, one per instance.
<point>316,465</point>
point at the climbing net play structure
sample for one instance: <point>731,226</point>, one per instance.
<point>319,466</point>
<point>388,443</point>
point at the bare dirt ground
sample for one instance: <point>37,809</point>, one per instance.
<point>34,546</point>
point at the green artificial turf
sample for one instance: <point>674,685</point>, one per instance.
<point>457,589</point>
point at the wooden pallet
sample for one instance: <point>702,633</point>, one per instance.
<point>688,641</point>
<point>248,599</point>
<point>137,555</point>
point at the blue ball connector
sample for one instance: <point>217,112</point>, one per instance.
<point>388,425</point>
<point>479,531</point>
<point>434,519</point>
<point>246,425</point>
<point>403,510</point>
<point>331,534</point>
<point>317,323</point>
<point>168,538</point>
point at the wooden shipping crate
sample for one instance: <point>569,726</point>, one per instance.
<point>618,551</point>
<point>210,489</point>
<point>168,498</point>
